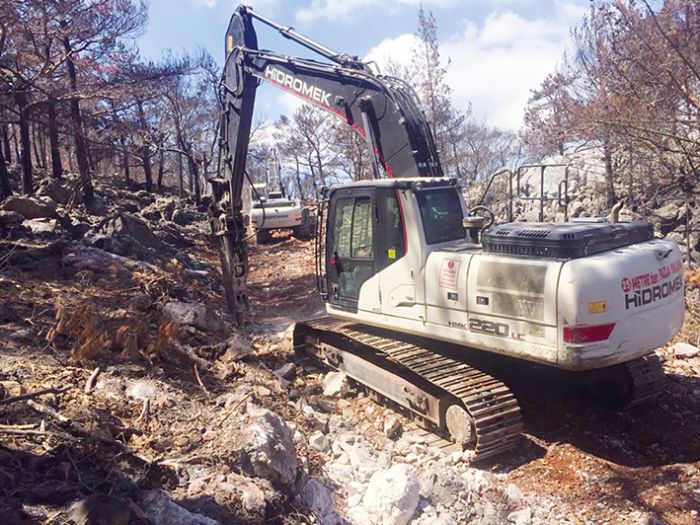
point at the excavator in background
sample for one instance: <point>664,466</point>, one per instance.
<point>415,282</point>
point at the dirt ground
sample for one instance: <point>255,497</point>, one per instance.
<point>601,466</point>
<point>604,464</point>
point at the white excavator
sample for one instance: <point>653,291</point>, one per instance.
<point>414,281</point>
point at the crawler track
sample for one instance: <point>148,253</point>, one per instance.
<point>437,389</point>
<point>647,379</point>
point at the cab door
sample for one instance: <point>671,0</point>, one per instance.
<point>351,247</point>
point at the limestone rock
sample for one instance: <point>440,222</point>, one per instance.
<point>392,496</point>
<point>30,207</point>
<point>335,384</point>
<point>55,190</point>
<point>237,347</point>
<point>10,218</point>
<point>392,427</point>
<point>270,447</point>
<point>521,517</point>
<point>100,509</point>
<point>128,224</point>
<point>159,508</point>
<point>194,314</point>
<point>319,441</point>
<point>316,496</point>
<point>685,350</point>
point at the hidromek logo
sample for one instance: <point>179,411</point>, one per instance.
<point>653,293</point>
<point>308,90</point>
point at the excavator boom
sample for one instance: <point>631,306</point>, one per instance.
<point>384,110</point>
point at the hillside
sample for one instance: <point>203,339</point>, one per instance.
<point>146,401</point>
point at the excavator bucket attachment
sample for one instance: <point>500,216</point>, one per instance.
<point>237,99</point>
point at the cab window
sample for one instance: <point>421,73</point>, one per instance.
<point>362,229</point>
<point>441,213</point>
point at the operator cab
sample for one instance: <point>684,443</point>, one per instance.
<point>373,225</point>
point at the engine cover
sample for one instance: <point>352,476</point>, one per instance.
<point>569,240</point>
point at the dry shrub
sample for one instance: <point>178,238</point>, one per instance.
<point>168,334</point>
<point>85,327</point>
<point>91,334</point>
<point>692,278</point>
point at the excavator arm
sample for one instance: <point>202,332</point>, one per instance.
<point>384,110</point>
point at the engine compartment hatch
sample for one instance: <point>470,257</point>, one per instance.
<point>568,240</point>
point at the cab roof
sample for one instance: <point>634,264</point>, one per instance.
<point>400,183</point>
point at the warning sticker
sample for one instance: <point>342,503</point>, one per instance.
<point>449,270</point>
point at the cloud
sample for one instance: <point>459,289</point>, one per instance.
<point>495,64</point>
<point>289,103</point>
<point>257,4</point>
<point>335,9</point>
<point>209,4</point>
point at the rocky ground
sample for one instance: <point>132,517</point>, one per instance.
<point>148,404</point>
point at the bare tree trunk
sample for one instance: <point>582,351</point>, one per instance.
<point>161,169</point>
<point>180,174</point>
<point>144,149</point>
<point>5,132</point>
<point>41,131</point>
<point>14,141</point>
<point>77,121</point>
<point>5,187</point>
<point>24,137</point>
<point>194,177</point>
<point>125,158</point>
<point>301,190</point>
<point>321,176</point>
<point>611,199</point>
<point>35,143</point>
<point>56,165</point>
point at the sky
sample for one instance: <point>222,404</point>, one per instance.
<point>496,51</point>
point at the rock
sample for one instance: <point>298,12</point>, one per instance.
<point>9,219</point>
<point>196,315</point>
<point>667,213</point>
<point>78,229</point>
<point>125,224</point>
<point>649,519</point>
<point>319,441</point>
<point>97,207</point>
<point>184,217</point>
<point>251,496</point>
<point>317,498</point>
<point>162,208</point>
<point>286,371</point>
<point>685,350</point>
<point>335,384</point>
<point>237,347</point>
<point>514,494</point>
<point>392,427</point>
<point>30,207</point>
<point>521,517</point>
<point>326,405</point>
<point>270,448</point>
<point>318,421</point>
<point>577,209</point>
<point>100,509</point>
<point>40,225</point>
<point>55,190</point>
<point>392,496</point>
<point>159,508</point>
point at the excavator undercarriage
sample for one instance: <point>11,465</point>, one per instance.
<point>446,395</point>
